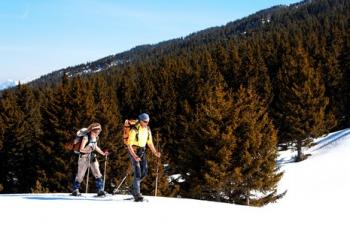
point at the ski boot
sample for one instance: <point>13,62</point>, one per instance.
<point>101,193</point>
<point>76,193</point>
<point>138,197</point>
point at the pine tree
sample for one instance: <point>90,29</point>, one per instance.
<point>302,103</point>
<point>11,153</point>
<point>127,93</point>
<point>21,147</point>
<point>145,88</point>
<point>253,173</point>
<point>231,61</point>
<point>107,114</point>
<point>209,142</point>
<point>31,137</point>
<point>330,72</point>
<point>261,81</point>
<point>253,72</point>
<point>55,136</point>
<point>167,76</point>
<point>344,61</point>
<point>220,56</point>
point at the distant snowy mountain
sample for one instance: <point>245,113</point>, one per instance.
<point>7,84</point>
<point>316,202</point>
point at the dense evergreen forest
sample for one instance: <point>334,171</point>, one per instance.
<point>221,101</point>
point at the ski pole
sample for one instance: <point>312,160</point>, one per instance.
<point>155,192</point>
<point>87,177</point>
<point>104,173</point>
<point>117,188</point>
<point>156,189</point>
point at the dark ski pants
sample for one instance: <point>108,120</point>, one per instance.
<point>140,169</point>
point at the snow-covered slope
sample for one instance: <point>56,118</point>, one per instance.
<point>316,201</point>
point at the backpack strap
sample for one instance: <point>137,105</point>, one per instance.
<point>137,127</point>
<point>149,132</point>
<point>88,142</point>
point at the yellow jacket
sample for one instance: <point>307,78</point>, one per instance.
<point>140,136</point>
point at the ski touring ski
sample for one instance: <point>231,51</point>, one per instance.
<point>107,197</point>
<point>133,199</point>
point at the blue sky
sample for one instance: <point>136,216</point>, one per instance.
<point>40,36</point>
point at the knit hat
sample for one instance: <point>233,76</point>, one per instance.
<point>144,117</point>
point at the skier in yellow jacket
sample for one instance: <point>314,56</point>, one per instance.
<point>139,137</point>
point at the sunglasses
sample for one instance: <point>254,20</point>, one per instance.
<point>146,122</point>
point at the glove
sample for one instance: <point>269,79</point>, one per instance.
<point>106,153</point>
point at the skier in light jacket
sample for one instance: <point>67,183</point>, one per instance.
<point>87,158</point>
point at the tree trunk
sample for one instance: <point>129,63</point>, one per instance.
<point>300,156</point>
